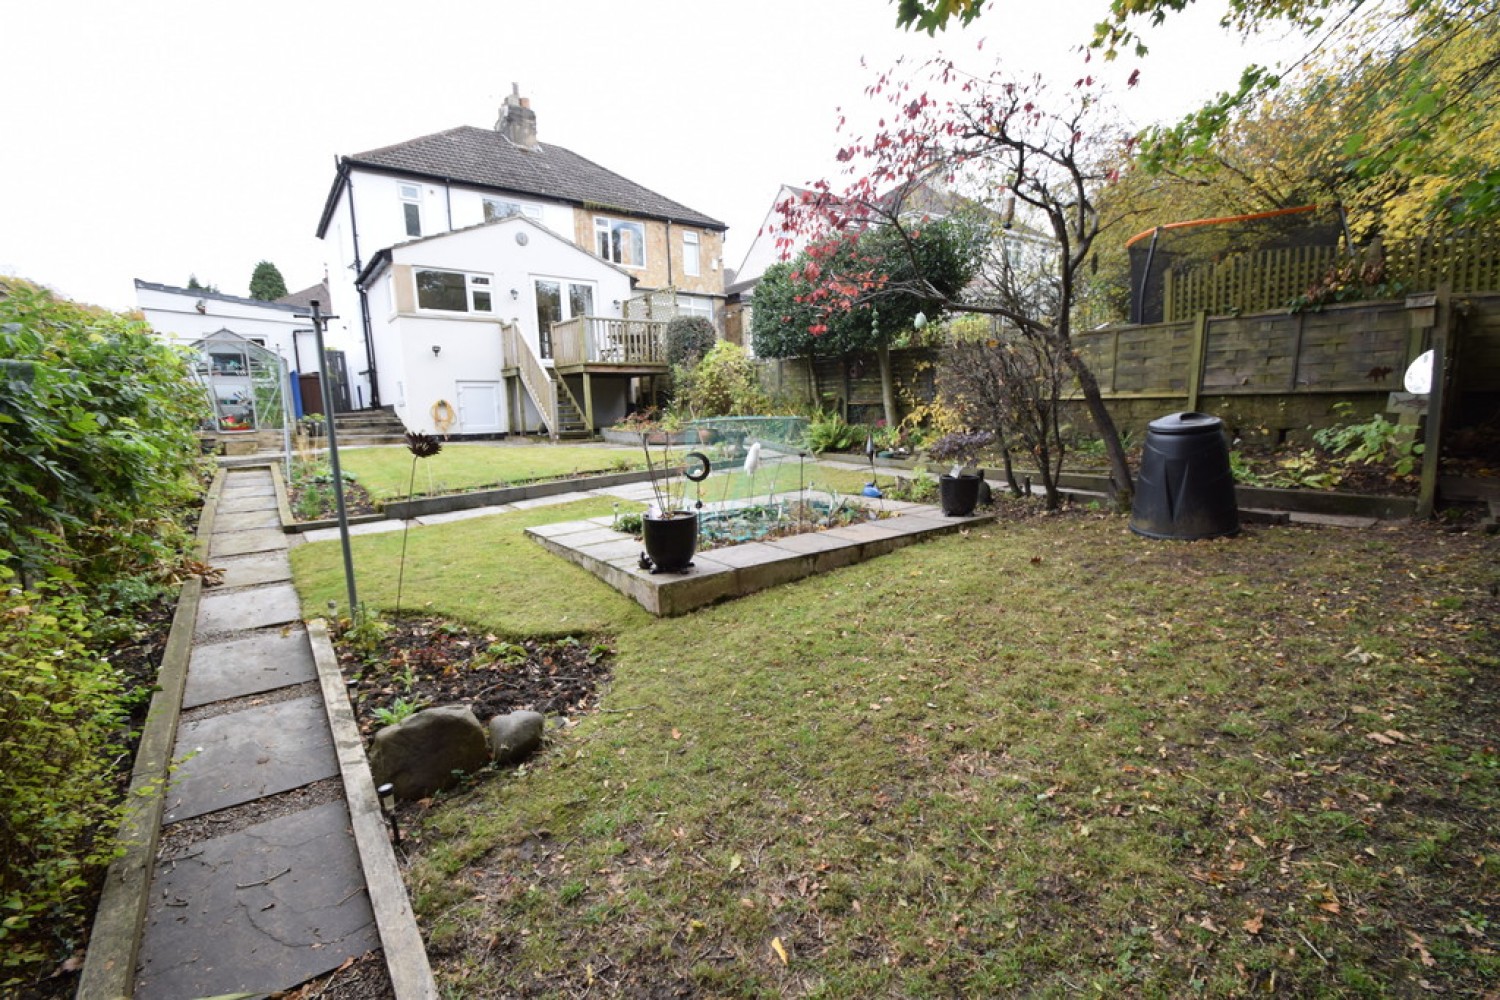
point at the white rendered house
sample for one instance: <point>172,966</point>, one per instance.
<point>445,310</point>
<point>184,316</point>
<point>487,230</point>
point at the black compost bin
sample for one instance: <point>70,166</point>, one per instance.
<point>1185,489</point>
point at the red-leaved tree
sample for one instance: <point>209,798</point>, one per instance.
<point>1006,154</point>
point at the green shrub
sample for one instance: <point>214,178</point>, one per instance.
<point>60,728</point>
<point>689,339</point>
<point>829,432</point>
<point>98,418</point>
<point>1373,441</point>
<point>725,383</point>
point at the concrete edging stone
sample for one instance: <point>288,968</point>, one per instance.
<point>400,940</point>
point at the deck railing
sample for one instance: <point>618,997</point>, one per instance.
<point>607,340</point>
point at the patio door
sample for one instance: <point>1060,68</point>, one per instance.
<point>558,300</point>
<point>479,408</point>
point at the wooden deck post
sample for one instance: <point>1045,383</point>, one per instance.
<point>588,401</point>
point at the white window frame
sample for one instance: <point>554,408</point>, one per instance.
<point>565,288</point>
<point>692,262</point>
<point>688,305</point>
<point>604,229</point>
<point>476,286</point>
<point>411,197</point>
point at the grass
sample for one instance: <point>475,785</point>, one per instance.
<point>386,471</point>
<point>1042,758</point>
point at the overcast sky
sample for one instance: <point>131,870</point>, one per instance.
<point>162,138</point>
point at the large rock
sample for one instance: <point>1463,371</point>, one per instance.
<point>514,737</point>
<point>428,751</point>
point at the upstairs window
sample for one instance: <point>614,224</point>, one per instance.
<point>411,208</point>
<point>692,261</point>
<point>501,208</point>
<point>619,241</point>
<point>453,291</point>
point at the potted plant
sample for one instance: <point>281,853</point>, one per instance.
<point>959,489</point>
<point>668,529</point>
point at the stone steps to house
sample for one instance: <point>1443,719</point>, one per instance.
<point>369,427</point>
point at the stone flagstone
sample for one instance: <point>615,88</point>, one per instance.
<point>254,569</point>
<point>257,911</point>
<point>257,607</point>
<point>258,663</point>
<point>230,759</point>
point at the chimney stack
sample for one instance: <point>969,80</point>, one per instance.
<point>517,121</point>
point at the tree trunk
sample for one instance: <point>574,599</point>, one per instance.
<point>812,384</point>
<point>887,385</point>
<point>1119,467</point>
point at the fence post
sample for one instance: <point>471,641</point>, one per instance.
<point>1196,362</point>
<point>1437,401</point>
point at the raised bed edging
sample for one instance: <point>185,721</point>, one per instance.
<point>1386,508</point>
<point>424,506</point>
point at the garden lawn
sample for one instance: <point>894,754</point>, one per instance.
<point>386,472</point>
<point>1045,757</point>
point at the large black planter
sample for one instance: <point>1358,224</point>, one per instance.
<point>670,541</point>
<point>959,494</point>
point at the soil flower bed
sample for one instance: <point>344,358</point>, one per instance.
<point>426,661</point>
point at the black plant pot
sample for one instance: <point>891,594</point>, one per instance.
<point>670,541</point>
<point>959,494</point>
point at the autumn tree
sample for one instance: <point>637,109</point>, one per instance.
<point>266,283</point>
<point>861,289</point>
<point>1011,147</point>
<point>1413,84</point>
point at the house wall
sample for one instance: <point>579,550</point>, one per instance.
<point>175,316</point>
<point>413,379</point>
<point>659,272</point>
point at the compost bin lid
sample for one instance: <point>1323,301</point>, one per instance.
<point>1189,422</point>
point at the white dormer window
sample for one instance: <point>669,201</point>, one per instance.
<point>411,208</point>
<point>692,259</point>
<point>620,241</point>
<point>502,208</point>
<point>453,291</point>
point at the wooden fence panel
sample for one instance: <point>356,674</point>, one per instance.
<point>1250,354</point>
<point>1479,357</point>
<point>1353,349</point>
<point>1153,359</point>
<point>1261,280</point>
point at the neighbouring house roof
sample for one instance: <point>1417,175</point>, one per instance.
<point>383,256</point>
<point>281,304</point>
<point>485,158</point>
<point>305,298</point>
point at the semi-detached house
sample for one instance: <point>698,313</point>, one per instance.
<point>503,285</point>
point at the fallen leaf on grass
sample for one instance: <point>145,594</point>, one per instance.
<point>1380,738</point>
<point>676,734</point>
<point>1254,924</point>
<point>779,950</point>
<point>1421,949</point>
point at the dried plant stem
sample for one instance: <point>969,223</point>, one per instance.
<point>411,487</point>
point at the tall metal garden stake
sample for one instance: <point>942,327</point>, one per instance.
<point>319,320</point>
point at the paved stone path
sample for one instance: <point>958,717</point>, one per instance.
<point>282,898</point>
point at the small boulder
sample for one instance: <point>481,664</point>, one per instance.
<point>426,753</point>
<point>516,736</point>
